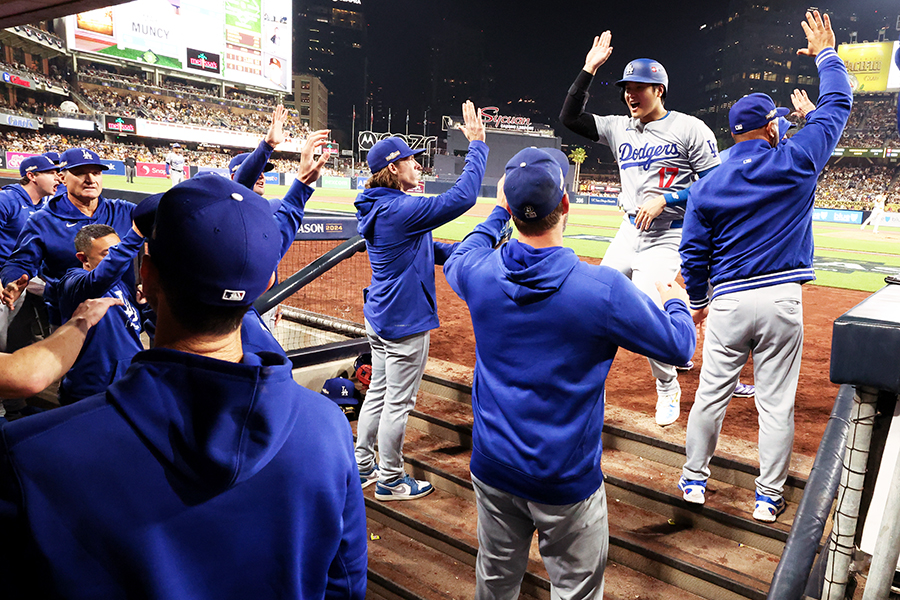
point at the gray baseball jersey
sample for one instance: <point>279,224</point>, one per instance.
<point>657,157</point>
<point>175,161</point>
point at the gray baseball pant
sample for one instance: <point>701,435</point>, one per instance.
<point>397,369</point>
<point>573,541</point>
<point>645,258</point>
<point>767,323</point>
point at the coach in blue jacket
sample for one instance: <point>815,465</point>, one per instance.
<point>547,327</point>
<point>400,305</point>
<point>47,239</point>
<point>748,233</point>
<point>186,479</point>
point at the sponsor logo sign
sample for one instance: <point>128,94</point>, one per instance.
<point>14,159</point>
<point>120,124</point>
<point>18,121</point>
<point>830,215</point>
<point>15,80</point>
<point>208,62</point>
<point>151,170</point>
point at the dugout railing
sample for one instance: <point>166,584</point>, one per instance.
<point>860,440</point>
<point>319,293</point>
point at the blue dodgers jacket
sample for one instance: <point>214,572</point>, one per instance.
<point>749,222</point>
<point>46,245</point>
<point>401,299</point>
<point>190,478</point>
<point>15,208</point>
<point>116,338</point>
<point>547,327</point>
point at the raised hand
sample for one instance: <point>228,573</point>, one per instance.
<point>310,167</point>
<point>802,104</point>
<point>275,134</point>
<point>91,311</point>
<point>819,34</point>
<point>474,127</point>
<point>598,53</point>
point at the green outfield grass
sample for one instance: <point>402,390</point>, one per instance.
<point>835,243</point>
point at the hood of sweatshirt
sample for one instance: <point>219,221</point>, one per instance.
<point>365,205</point>
<point>62,207</point>
<point>214,422</point>
<point>17,189</point>
<point>533,274</point>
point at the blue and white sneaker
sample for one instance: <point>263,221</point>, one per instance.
<point>668,406</point>
<point>405,488</point>
<point>767,509</point>
<point>744,390</point>
<point>694,490</point>
<point>367,478</point>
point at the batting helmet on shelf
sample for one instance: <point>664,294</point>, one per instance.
<point>363,368</point>
<point>645,70</point>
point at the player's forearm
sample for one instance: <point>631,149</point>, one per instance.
<point>253,166</point>
<point>113,267</point>
<point>826,124</point>
<point>573,115</point>
<point>35,367</point>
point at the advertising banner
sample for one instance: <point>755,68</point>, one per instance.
<point>14,159</point>
<point>830,215</point>
<point>604,200</point>
<point>871,66</point>
<point>112,123</point>
<point>151,170</point>
<point>273,178</point>
<point>339,183</point>
<point>195,133</point>
<point>116,167</point>
<point>14,79</point>
<point>18,121</point>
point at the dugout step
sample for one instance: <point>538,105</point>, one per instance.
<point>451,419</point>
<point>435,536</point>
<point>687,546</point>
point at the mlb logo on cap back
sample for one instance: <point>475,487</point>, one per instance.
<point>535,182</point>
<point>216,238</point>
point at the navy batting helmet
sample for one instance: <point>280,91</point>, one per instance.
<point>644,70</point>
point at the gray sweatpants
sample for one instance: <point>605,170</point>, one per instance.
<point>767,323</point>
<point>573,540</point>
<point>646,257</point>
<point>397,369</point>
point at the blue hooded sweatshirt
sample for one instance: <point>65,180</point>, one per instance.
<point>401,299</point>
<point>46,245</point>
<point>189,478</point>
<point>547,327</point>
<point>15,208</point>
<point>111,344</point>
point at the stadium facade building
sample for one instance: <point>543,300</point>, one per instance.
<point>330,43</point>
<point>311,101</point>
<point>751,46</point>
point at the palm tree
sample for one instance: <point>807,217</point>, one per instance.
<point>577,156</point>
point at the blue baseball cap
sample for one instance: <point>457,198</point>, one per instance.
<point>752,112</point>
<point>535,182</point>
<point>217,238</point>
<point>341,390</point>
<point>53,156</point>
<point>36,164</point>
<point>238,160</point>
<point>76,157</point>
<point>144,214</point>
<point>387,151</point>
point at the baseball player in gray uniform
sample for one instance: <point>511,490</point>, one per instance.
<point>660,153</point>
<point>175,160</point>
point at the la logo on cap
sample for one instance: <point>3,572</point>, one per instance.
<point>233,295</point>
<point>86,155</point>
<point>530,212</point>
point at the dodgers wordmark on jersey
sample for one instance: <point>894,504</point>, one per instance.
<point>657,157</point>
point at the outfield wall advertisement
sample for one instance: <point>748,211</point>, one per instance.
<point>244,41</point>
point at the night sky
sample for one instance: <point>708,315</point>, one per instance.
<point>536,49</point>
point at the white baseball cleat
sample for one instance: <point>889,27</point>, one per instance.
<point>668,407</point>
